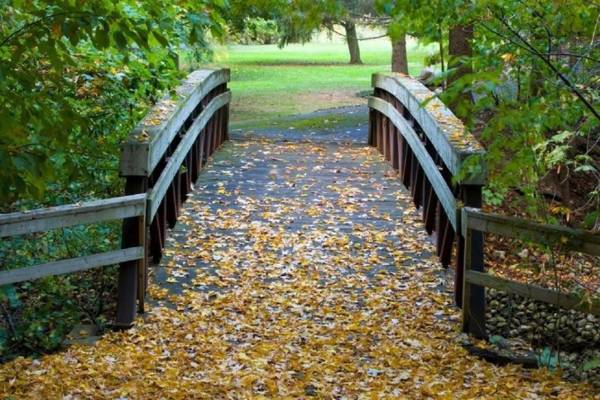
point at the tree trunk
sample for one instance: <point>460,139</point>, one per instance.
<point>352,40</point>
<point>459,47</point>
<point>399,57</point>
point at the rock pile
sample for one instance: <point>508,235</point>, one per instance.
<point>575,334</point>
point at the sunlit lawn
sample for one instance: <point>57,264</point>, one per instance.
<point>268,82</point>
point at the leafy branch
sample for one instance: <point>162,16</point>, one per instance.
<point>26,27</point>
<point>524,44</point>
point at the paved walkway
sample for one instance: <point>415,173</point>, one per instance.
<point>299,269</point>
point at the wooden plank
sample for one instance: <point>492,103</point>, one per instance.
<point>148,142</point>
<point>166,177</point>
<point>45,219</point>
<point>142,264</point>
<point>442,127</point>
<point>447,235</point>
<point>388,139</point>
<point>569,301</point>
<point>171,205</point>
<point>431,170</point>
<point>156,232</point>
<point>429,210</point>
<point>379,133</point>
<point>406,160</point>
<point>572,239</point>
<point>70,265</point>
<point>396,149</point>
<point>470,257</point>
<point>372,127</point>
<point>129,271</point>
<point>466,291</point>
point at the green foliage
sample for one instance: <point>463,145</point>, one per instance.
<point>592,364</point>
<point>35,316</point>
<point>62,63</point>
<point>298,20</point>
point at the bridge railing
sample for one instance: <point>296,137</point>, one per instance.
<point>163,157</point>
<point>128,208</point>
<point>475,222</point>
<point>427,144</point>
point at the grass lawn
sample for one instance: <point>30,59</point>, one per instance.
<point>270,84</point>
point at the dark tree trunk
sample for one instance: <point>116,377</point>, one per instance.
<point>352,40</point>
<point>459,48</point>
<point>399,57</point>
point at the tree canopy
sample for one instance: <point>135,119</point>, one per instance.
<point>534,83</point>
<point>74,77</point>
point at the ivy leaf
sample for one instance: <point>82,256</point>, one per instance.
<point>592,364</point>
<point>9,293</point>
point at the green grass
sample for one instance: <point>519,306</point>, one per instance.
<point>307,122</point>
<point>269,83</point>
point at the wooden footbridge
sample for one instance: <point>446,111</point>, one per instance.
<point>421,140</point>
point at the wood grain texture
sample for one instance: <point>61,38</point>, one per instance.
<point>148,142</point>
<point>444,130</point>
<point>431,170</point>
<point>45,219</point>
<point>71,265</point>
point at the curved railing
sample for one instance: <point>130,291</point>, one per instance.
<point>163,157</point>
<point>428,145</point>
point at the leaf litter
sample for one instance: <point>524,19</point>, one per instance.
<point>297,271</point>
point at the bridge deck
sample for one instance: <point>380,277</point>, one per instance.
<point>297,269</point>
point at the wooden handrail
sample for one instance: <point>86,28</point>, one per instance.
<point>444,130</point>
<point>444,194</point>
<point>165,152</point>
<point>535,292</point>
<point>163,157</point>
<point>151,138</point>
<point>128,208</point>
<point>71,265</point>
<point>518,228</point>
<point>157,193</point>
<point>45,219</point>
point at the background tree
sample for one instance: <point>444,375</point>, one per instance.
<point>399,53</point>
<point>352,13</point>
<point>298,20</point>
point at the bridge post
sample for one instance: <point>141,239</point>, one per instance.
<point>470,256</point>
<point>132,274</point>
<point>372,127</point>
